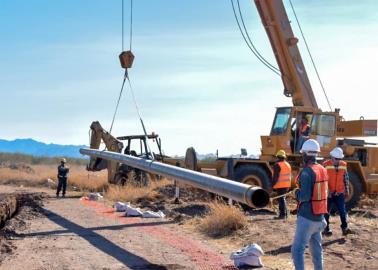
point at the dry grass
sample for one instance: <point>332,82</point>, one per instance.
<point>132,193</point>
<point>369,201</point>
<point>223,220</point>
<point>78,177</point>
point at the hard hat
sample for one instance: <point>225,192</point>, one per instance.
<point>337,152</point>
<point>281,153</point>
<point>310,147</point>
<point>63,160</point>
<point>308,117</point>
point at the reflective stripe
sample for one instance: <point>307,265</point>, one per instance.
<point>319,191</point>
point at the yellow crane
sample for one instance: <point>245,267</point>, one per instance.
<point>327,127</point>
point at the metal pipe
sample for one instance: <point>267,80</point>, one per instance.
<point>250,195</point>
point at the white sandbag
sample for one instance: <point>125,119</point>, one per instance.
<point>250,260</point>
<point>152,214</point>
<point>133,212</point>
<point>249,255</point>
<point>121,207</point>
<point>95,196</point>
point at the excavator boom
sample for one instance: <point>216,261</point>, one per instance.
<point>99,134</point>
<point>284,45</point>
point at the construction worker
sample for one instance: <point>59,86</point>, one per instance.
<point>281,181</point>
<point>62,178</point>
<point>338,184</point>
<point>312,205</point>
<point>303,132</point>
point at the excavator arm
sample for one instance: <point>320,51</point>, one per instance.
<point>284,44</point>
<point>99,134</point>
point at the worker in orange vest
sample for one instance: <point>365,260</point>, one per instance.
<point>338,184</point>
<point>302,133</point>
<point>281,181</point>
<point>312,205</point>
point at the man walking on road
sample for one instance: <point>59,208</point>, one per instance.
<point>338,183</point>
<point>281,181</point>
<point>62,178</point>
<point>312,205</point>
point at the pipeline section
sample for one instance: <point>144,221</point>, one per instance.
<point>243,193</point>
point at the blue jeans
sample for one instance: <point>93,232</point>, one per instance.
<point>339,201</point>
<point>308,232</point>
<point>300,142</point>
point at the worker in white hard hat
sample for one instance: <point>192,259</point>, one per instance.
<point>338,184</point>
<point>62,178</point>
<point>281,182</point>
<point>311,195</point>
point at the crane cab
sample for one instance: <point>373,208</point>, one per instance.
<point>293,125</point>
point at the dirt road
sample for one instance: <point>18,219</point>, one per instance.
<point>74,234</point>
<point>77,234</point>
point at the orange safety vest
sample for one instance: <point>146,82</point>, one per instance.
<point>284,178</point>
<point>336,177</point>
<point>305,128</point>
<point>320,190</point>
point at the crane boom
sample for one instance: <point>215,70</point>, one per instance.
<point>284,44</point>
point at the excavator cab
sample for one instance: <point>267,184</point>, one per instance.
<point>138,146</point>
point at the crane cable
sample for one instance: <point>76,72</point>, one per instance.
<point>248,40</point>
<point>309,53</point>
<point>126,77</point>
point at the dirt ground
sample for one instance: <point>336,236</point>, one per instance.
<point>50,233</point>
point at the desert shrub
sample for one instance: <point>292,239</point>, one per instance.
<point>222,220</point>
<point>133,193</point>
<point>37,160</point>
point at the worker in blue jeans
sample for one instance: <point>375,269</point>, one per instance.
<point>312,205</point>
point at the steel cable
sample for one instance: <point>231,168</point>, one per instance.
<point>309,52</point>
<point>246,41</point>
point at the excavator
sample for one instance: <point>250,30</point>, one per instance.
<point>137,145</point>
<point>329,128</point>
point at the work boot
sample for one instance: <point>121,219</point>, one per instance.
<point>346,231</point>
<point>280,217</point>
<point>57,195</point>
<point>64,195</point>
<point>327,232</point>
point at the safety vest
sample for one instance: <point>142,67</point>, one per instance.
<point>336,177</point>
<point>320,190</point>
<point>304,129</point>
<point>284,178</point>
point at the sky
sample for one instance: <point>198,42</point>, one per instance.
<point>195,81</point>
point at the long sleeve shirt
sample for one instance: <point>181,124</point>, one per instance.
<point>306,182</point>
<point>276,173</point>
<point>62,171</point>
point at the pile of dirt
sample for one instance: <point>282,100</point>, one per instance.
<point>15,211</point>
<point>8,207</point>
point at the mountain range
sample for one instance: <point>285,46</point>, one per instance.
<point>35,148</point>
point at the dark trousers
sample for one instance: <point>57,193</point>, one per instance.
<point>339,202</point>
<point>282,202</point>
<point>62,184</point>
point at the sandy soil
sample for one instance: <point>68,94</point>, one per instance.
<point>75,234</point>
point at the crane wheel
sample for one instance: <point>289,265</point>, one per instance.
<point>253,175</point>
<point>191,159</point>
<point>355,190</point>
